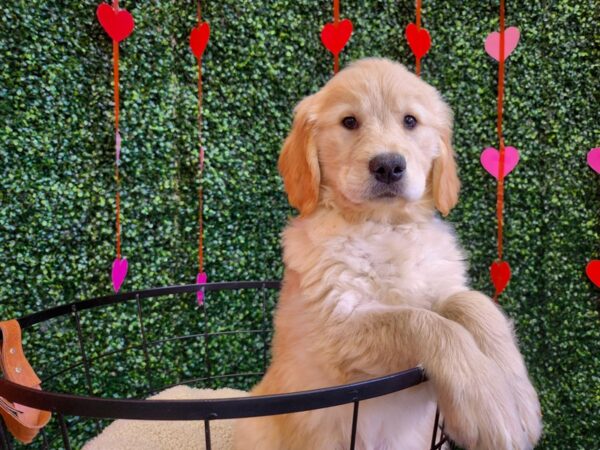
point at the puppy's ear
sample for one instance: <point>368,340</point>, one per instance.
<point>445,182</point>
<point>298,162</point>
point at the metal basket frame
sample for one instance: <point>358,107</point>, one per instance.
<point>63,405</point>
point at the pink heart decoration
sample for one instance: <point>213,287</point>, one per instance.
<point>119,272</point>
<point>118,24</point>
<point>511,39</point>
<point>490,160</point>
<point>200,279</point>
<point>593,159</point>
<point>199,38</point>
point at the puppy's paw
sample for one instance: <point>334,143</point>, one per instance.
<point>484,415</point>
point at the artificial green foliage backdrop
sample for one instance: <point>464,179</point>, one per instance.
<point>57,185</point>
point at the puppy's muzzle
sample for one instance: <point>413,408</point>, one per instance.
<point>388,168</point>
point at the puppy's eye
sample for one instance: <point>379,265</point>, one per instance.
<point>350,122</point>
<point>410,122</point>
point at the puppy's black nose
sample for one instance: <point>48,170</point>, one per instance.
<point>388,167</point>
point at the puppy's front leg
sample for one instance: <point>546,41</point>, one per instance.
<point>495,337</point>
<point>473,395</point>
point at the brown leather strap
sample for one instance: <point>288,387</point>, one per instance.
<point>14,364</point>
<point>22,421</point>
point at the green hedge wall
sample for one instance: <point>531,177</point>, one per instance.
<point>57,186</point>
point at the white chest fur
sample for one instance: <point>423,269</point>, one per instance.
<point>348,266</point>
<point>345,268</point>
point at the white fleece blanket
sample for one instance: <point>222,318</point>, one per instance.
<point>162,435</point>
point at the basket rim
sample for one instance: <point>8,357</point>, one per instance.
<point>198,409</point>
<point>82,305</point>
<point>210,409</point>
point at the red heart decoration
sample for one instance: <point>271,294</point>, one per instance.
<point>199,38</point>
<point>500,272</point>
<point>593,271</point>
<point>336,35</point>
<point>418,40</point>
<point>118,24</point>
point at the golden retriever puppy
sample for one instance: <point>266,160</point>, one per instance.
<point>375,282</point>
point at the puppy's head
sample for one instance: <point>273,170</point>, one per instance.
<point>375,141</point>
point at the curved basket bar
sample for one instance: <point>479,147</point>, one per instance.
<point>232,408</point>
<point>94,408</point>
<point>68,308</point>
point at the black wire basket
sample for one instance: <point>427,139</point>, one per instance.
<point>128,346</point>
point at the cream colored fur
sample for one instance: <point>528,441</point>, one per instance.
<point>169,435</point>
<point>378,285</point>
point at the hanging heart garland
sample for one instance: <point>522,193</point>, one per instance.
<point>199,38</point>
<point>490,160</point>
<point>500,163</point>
<point>511,39</point>
<point>118,24</point>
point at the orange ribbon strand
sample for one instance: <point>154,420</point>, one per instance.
<point>200,160</point>
<point>336,20</point>
<point>418,58</point>
<point>500,187</point>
